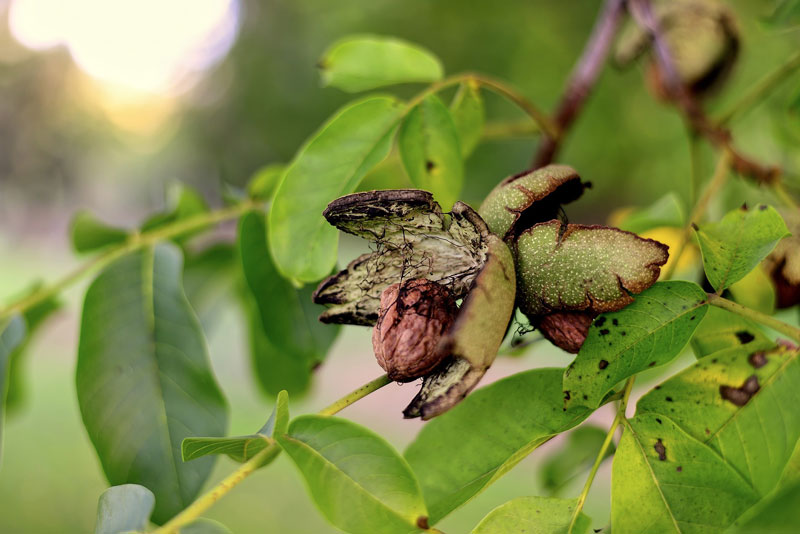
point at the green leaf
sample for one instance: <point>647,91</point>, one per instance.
<point>287,341</point>
<point>361,62</point>
<point>265,180</point>
<point>12,335</point>
<point>242,448</point>
<point>183,202</point>
<point>777,515</point>
<point>358,481</point>
<point>125,508</point>
<point>740,402</point>
<point>650,332</point>
<point>144,379</point>
<point>460,453</point>
<point>722,329</point>
<point>664,480</point>
<point>205,526</point>
<point>331,164</point>
<point>89,234</point>
<point>468,116</point>
<point>755,290</point>
<point>583,267</point>
<point>429,147</point>
<point>666,211</point>
<point>574,457</point>
<point>534,515</point>
<point>734,246</point>
<point>209,278</point>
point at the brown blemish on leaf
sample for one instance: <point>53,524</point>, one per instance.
<point>429,165</point>
<point>603,364</point>
<point>661,450</point>
<point>422,522</point>
<point>741,395</point>
<point>757,359</point>
<point>679,469</point>
<point>744,337</point>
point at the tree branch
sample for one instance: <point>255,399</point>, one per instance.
<point>583,77</point>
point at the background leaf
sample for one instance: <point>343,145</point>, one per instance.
<point>755,290</point>
<point>358,481</point>
<point>666,211</point>
<point>205,526</point>
<point>468,116</point>
<point>574,457</point>
<point>722,329</point>
<point>777,515</point>
<point>125,508</point>
<point>89,233</point>
<point>664,480</point>
<point>740,402</point>
<point>330,165</point>
<point>183,202</point>
<point>733,246</point>
<point>265,180</point>
<point>359,63</point>
<point>144,380</point>
<point>12,335</point>
<point>649,332</point>
<point>287,340</point>
<point>242,448</point>
<point>430,150</point>
<point>533,515</point>
<point>461,452</point>
<point>210,276</point>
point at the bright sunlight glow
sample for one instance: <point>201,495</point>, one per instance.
<point>155,46</point>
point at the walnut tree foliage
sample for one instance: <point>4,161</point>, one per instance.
<point>712,448</point>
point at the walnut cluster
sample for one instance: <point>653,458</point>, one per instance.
<point>413,317</point>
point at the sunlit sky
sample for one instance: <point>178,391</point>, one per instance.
<point>150,46</point>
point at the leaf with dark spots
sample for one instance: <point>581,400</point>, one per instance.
<point>744,337</point>
<point>531,197</point>
<point>722,329</point>
<point>602,364</point>
<point>587,268</point>
<point>413,241</point>
<point>745,414</point>
<point>661,450</point>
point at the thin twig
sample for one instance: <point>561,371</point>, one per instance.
<point>779,326</point>
<point>583,77</point>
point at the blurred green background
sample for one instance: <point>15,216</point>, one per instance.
<point>245,94</point>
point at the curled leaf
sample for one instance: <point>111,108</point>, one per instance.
<point>522,200</point>
<point>413,240</point>
<point>587,268</point>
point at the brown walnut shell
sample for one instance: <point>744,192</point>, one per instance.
<point>413,317</point>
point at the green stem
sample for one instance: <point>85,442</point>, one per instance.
<point>620,415</point>
<point>353,396</point>
<point>204,502</point>
<point>717,180</point>
<point>134,242</point>
<point>779,326</point>
<point>506,129</point>
<point>761,89</point>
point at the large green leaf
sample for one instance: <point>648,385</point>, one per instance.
<point>265,180</point>
<point>243,448</point>
<point>429,147</point>
<point>89,234</point>
<point>331,164</point>
<point>664,480</point>
<point>362,62</point>
<point>741,403</point>
<point>287,341</point>
<point>461,452</point>
<point>210,276</point>
<point>534,515</point>
<point>358,481</point>
<point>649,332</point>
<point>123,509</point>
<point>733,246</point>
<point>777,515</point>
<point>12,335</point>
<point>144,380</point>
<point>722,329</point>
<point>468,115</point>
<point>574,457</point>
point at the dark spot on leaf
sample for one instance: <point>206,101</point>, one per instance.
<point>566,395</point>
<point>695,227</point>
<point>668,399</point>
<point>714,360</point>
<point>658,420</point>
<point>623,333</point>
<point>661,450</point>
<point>603,364</point>
<point>744,206</point>
<point>600,321</point>
<point>708,431</point>
<point>615,322</point>
<point>657,387</point>
<point>762,207</point>
<point>586,397</point>
<point>679,469</point>
<point>651,364</point>
<point>604,332</point>
<point>422,522</point>
<point>741,395</point>
<point>692,318</point>
<point>429,165</point>
<point>757,359</point>
<point>744,337</point>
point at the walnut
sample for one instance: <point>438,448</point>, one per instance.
<point>413,316</point>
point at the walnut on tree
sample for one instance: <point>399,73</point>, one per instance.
<point>413,317</point>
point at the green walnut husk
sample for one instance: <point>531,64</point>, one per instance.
<point>414,239</point>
